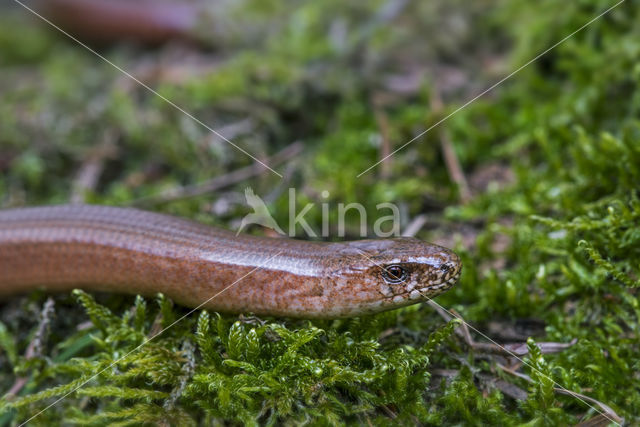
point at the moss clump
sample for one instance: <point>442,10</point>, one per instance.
<point>247,370</point>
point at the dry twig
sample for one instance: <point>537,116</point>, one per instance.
<point>415,226</point>
<point>35,347</point>
<point>89,173</point>
<point>450,157</point>
<point>507,350</point>
<point>383,125</point>
<point>219,182</point>
<point>609,413</point>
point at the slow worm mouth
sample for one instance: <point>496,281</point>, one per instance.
<point>433,290</point>
<point>423,291</point>
<point>447,283</point>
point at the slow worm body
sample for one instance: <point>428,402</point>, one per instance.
<point>131,251</point>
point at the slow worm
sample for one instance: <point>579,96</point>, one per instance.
<point>110,249</point>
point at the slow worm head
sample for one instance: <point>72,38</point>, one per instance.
<point>382,274</point>
<point>131,251</point>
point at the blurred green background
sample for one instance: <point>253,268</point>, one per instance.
<point>545,217</point>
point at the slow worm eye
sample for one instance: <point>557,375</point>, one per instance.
<point>394,274</point>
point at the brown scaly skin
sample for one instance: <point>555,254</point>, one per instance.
<point>131,251</point>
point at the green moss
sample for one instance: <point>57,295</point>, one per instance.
<point>553,241</point>
<point>247,371</point>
